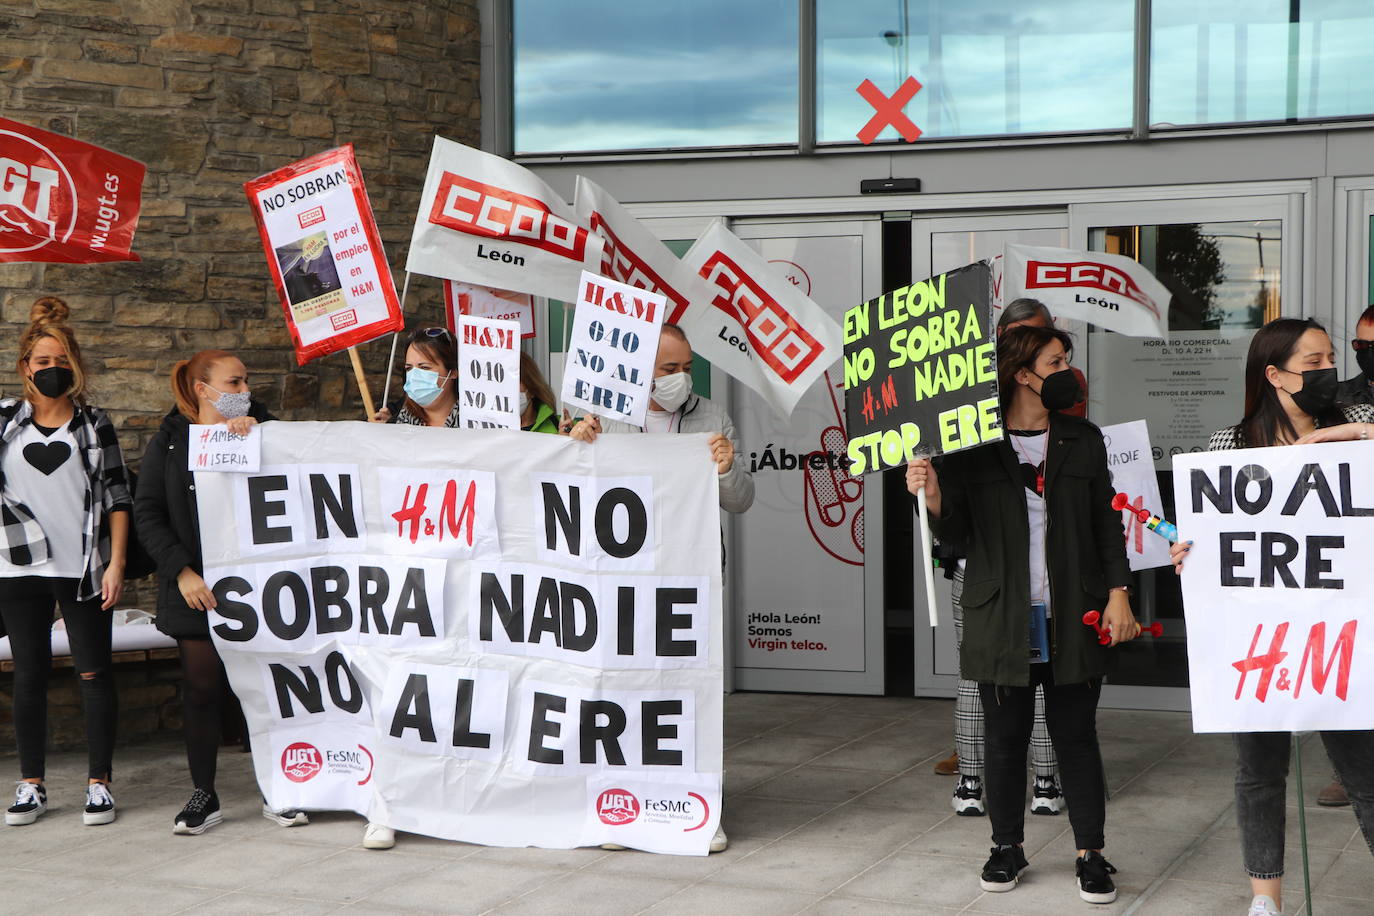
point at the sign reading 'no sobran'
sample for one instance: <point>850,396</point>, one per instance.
<point>919,370</point>
<point>504,639</point>
<point>488,221</point>
<point>1276,587</point>
<point>324,253</point>
<point>65,201</point>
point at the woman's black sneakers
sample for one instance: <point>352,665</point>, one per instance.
<point>200,814</point>
<point>1095,883</point>
<point>1003,868</point>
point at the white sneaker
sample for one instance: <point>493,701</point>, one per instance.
<point>1263,905</point>
<point>377,836</point>
<point>30,800</point>
<point>291,817</point>
<point>100,807</point>
<point>968,797</point>
<point>1046,798</point>
<point>720,842</point>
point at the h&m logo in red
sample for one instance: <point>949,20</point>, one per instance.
<point>464,205</point>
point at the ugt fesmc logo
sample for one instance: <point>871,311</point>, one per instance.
<point>617,807</point>
<point>301,762</point>
<point>37,195</point>
<point>785,346</point>
<point>469,206</point>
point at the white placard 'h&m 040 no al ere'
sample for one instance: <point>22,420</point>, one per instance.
<point>613,349</point>
<point>488,373</point>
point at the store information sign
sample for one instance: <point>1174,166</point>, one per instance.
<point>1187,387</point>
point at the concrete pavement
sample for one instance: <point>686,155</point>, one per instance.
<point>831,807</point>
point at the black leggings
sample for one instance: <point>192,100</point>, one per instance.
<point>26,604</point>
<point>1071,718</point>
<point>203,687</point>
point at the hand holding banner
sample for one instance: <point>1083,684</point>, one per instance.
<point>485,220</point>
<point>65,201</point>
<point>613,349</point>
<point>324,254</point>
<point>488,373</point>
<point>1108,290</point>
<point>1276,586</point>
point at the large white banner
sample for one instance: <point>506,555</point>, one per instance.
<point>491,636</point>
<point>488,221</point>
<point>1276,587</point>
<point>1108,290</point>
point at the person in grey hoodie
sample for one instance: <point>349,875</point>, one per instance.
<point>674,409</point>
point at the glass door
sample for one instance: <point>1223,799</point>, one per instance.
<point>806,601</point>
<point>940,244</point>
<point>1231,265</point>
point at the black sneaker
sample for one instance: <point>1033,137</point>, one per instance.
<point>1003,869</point>
<point>30,800</point>
<point>100,807</point>
<point>1046,797</point>
<point>1095,878</point>
<point>200,814</point>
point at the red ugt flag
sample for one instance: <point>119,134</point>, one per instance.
<point>65,201</point>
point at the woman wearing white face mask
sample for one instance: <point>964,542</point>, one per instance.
<point>209,388</point>
<point>431,384</point>
<point>673,408</point>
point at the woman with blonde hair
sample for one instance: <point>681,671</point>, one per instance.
<point>64,504</point>
<point>209,388</point>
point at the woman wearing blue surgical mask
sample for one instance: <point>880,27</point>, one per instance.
<point>431,381</point>
<point>209,388</point>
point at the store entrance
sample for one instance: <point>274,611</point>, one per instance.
<point>1231,267</point>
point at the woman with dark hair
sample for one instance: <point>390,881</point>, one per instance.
<point>431,382</point>
<point>65,501</point>
<point>538,406</point>
<point>1290,399</point>
<point>1032,515</point>
<point>209,388</point>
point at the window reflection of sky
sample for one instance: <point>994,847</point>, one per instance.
<point>1219,61</point>
<point>988,66</point>
<point>605,74</point>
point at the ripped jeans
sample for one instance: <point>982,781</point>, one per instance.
<point>27,603</point>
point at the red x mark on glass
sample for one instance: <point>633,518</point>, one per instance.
<point>889,110</point>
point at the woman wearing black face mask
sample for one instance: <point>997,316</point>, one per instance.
<point>65,499</point>
<point>1043,546</point>
<point>1290,399</point>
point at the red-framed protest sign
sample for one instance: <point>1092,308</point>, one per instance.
<point>65,201</point>
<point>324,253</point>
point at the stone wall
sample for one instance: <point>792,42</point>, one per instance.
<point>209,94</point>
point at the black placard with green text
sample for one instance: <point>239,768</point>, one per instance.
<point>920,373</point>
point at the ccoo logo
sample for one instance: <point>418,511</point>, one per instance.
<point>617,807</point>
<point>300,762</point>
<point>37,195</point>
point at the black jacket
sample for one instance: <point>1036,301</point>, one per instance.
<point>1355,390</point>
<point>166,520</point>
<point>983,511</point>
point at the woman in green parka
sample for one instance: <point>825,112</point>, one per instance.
<point>1032,514</point>
<point>537,403</point>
